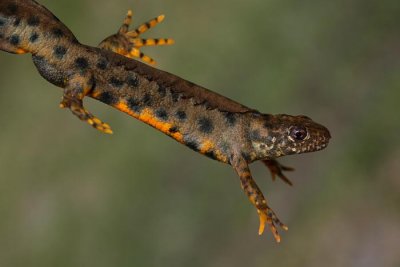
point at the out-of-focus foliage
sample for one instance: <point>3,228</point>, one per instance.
<point>71,196</point>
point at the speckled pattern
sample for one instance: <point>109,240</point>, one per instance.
<point>203,120</point>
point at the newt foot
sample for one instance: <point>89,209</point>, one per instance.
<point>277,169</point>
<point>129,44</point>
<point>78,110</point>
<point>268,216</point>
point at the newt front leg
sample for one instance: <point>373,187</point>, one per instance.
<point>256,197</point>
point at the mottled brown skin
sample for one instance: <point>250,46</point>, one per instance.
<point>203,120</point>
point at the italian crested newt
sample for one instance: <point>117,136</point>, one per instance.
<point>204,121</point>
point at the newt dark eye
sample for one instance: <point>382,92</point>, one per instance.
<point>298,133</point>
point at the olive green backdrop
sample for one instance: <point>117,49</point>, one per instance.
<point>71,196</point>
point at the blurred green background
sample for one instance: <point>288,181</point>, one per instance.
<point>71,196</point>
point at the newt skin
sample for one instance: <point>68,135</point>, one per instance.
<point>204,121</point>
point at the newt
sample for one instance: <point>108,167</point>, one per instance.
<point>203,120</point>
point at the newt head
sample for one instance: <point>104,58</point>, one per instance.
<point>274,136</point>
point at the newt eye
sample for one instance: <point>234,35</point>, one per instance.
<point>298,133</point>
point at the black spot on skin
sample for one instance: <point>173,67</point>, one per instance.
<point>146,100</point>
<point>205,125</point>
<point>102,64</point>
<point>230,118</point>
<point>33,21</point>
<point>116,82</point>
<point>14,39</point>
<point>246,157</point>
<point>173,129</point>
<point>175,96</point>
<point>12,9</point>
<point>1,36</point>
<point>268,125</point>
<point>134,105</point>
<point>192,145</point>
<point>92,82</point>
<point>162,91</point>
<point>17,22</point>
<point>149,78</point>
<point>162,114</point>
<point>245,172</point>
<point>81,63</point>
<point>57,32</point>
<point>203,103</point>
<point>59,51</point>
<point>267,121</point>
<point>34,37</point>
<point>255,135</point>
<point>2,22</point>
<point>181,115</point>
<point>210,154</point>
<point>267,116</point>
<point>133,81</point>
<point>108,98</point>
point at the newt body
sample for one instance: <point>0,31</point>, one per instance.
<point>205,121</point>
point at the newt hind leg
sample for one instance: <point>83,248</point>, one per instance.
<point>256,197</point>
<point>128,43</point>
<point>76,89</point>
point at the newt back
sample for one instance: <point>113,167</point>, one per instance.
<point>177,85</point>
